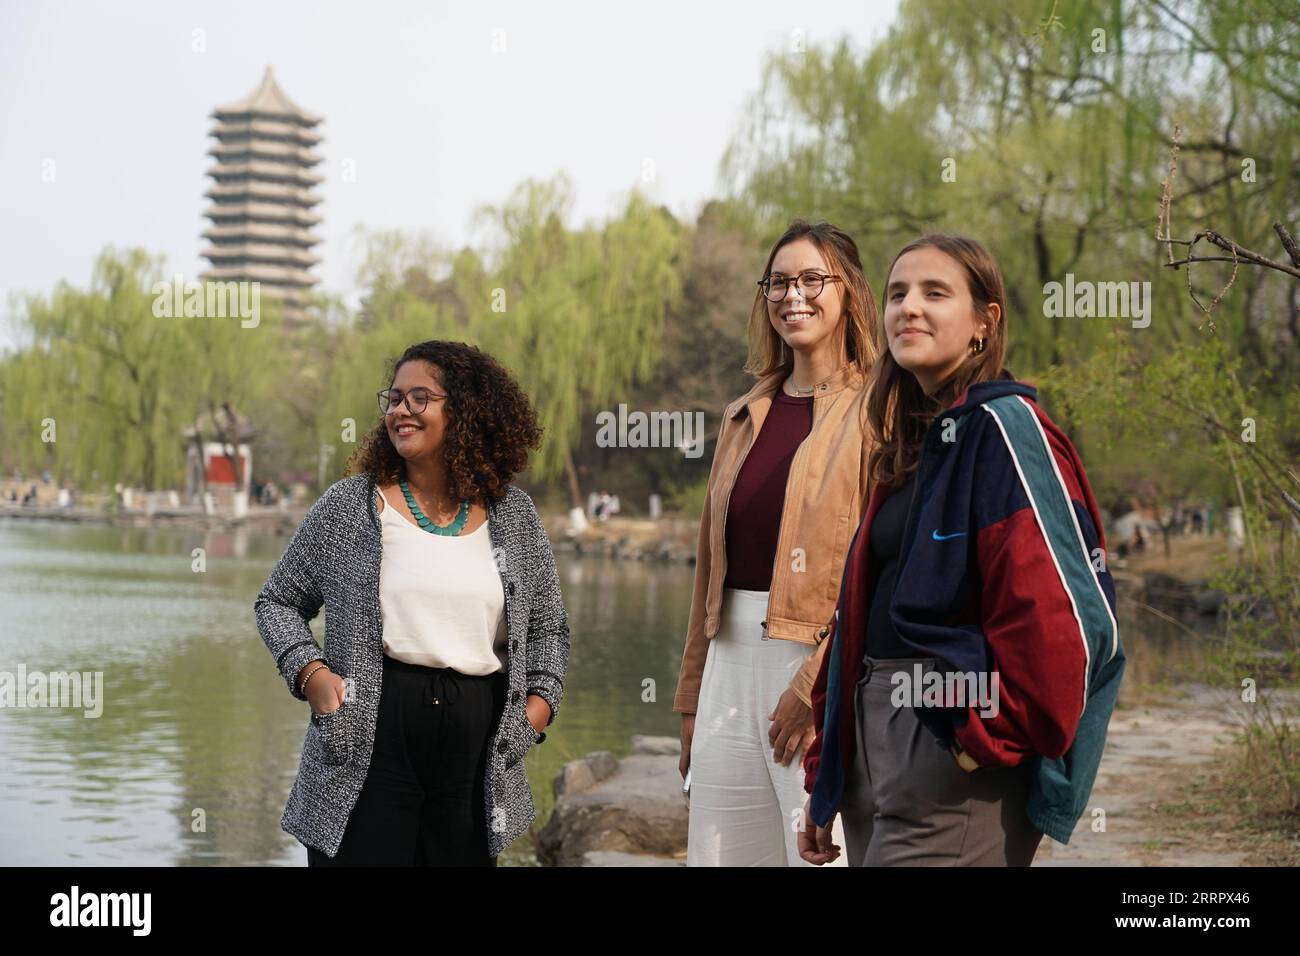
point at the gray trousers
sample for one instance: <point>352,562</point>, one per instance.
<point>907,802</point>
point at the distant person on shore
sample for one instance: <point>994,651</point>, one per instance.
<point>270,493</point>
<point>975,576</point>
<point>785,492</point>
<point>446,641</point>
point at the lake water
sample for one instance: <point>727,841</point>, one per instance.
<point>192,758</point>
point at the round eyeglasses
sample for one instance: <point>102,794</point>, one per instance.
<point>809,284</point>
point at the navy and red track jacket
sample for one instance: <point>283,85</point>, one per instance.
<point>1002,570</point>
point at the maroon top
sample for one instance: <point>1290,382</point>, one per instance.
<point>758,497</point>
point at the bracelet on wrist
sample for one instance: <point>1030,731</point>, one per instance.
<point>310,674</point>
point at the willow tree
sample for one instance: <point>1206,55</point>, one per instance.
<point>577,314</point>
<point>103,384</point>
<point>102,369</point>
<point>1038,127</point>
<point>24,405</point>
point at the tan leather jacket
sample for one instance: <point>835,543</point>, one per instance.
<point>824,499</point>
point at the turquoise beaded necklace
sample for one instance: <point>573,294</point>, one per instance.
<point>425,522</point>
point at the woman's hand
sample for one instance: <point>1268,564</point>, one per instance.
<point>325,690</point>
<point>688,733</point>
<point>814,842</point>
<point>792,727</point>
<point>539,712</point>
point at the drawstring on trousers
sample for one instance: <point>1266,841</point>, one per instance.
<point>441,689</point>
<point>441,686</point>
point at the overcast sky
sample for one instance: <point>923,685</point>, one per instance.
<point>114,98</point>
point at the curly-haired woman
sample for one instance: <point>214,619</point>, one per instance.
<point>446,639</point>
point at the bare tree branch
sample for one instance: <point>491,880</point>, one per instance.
<point>1240,254</point>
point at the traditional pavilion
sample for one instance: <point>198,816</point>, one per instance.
<point>262,196</point>
<point>218,455</point>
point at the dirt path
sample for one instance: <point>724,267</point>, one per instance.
<point>1151,750</point>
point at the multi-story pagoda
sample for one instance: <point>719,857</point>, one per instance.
<point>262,197</point>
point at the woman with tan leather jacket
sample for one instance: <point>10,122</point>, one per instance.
<point>785,494</point>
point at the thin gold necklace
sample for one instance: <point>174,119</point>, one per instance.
<point>806,391</point>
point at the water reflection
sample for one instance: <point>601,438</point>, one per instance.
<point>193,756</point>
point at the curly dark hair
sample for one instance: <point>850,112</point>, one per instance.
<point>491,425</point>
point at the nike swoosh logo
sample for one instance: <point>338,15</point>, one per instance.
<point>944,537</point>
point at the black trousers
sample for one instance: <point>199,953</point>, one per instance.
<point>422,800</point>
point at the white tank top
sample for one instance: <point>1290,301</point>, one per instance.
<point>440,597</point>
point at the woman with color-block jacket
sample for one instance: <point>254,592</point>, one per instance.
<point>963,701</point>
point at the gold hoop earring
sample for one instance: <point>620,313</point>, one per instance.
<point>978,347</point>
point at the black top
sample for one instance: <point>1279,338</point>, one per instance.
<point>886,541</point>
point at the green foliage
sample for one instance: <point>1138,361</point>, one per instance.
<point>1058,138</point>
<point>1058,141</point>
<point>576,314</point>
<point>120,382</point>
<point>689,499</point>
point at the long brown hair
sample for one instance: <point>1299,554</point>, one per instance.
<point>898,409</point>
<point>767,350</point>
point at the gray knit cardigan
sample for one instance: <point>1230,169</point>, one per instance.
<point>333,561</point>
